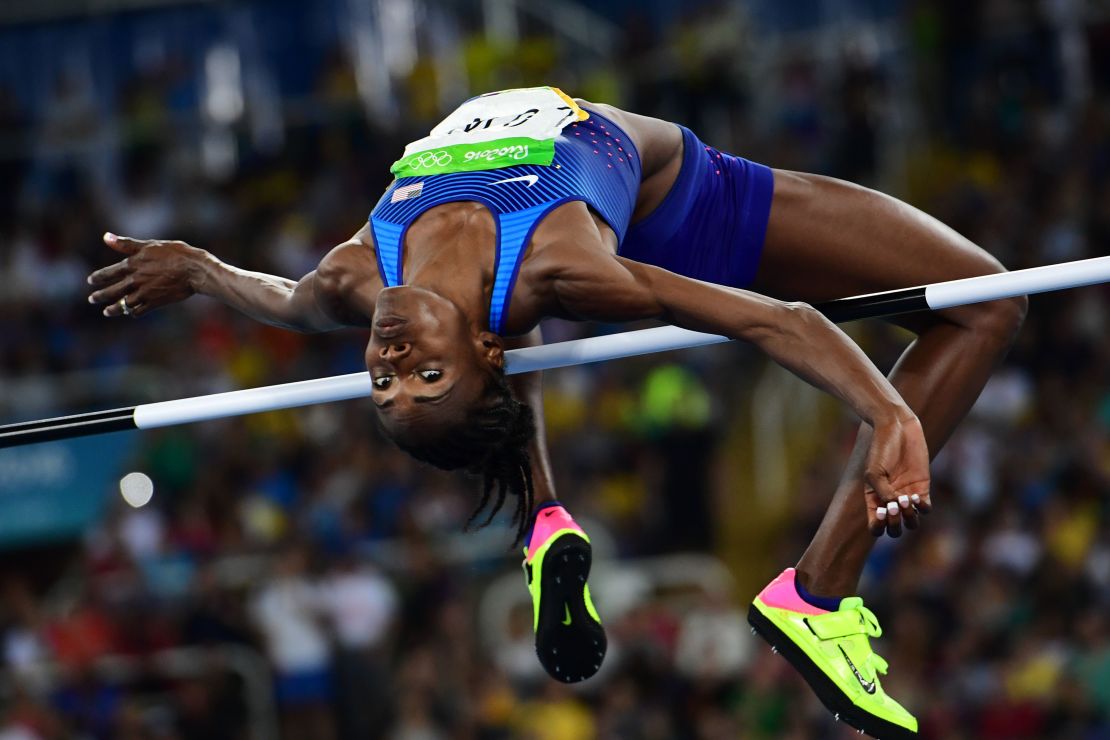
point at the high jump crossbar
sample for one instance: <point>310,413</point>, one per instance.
<point>560,354</point>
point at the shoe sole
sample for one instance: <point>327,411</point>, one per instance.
<point>826,689</point>
<point>574,652</point>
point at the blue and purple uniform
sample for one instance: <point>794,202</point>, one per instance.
<point>710,226</point>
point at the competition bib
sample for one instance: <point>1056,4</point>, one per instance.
<point>498,129</point>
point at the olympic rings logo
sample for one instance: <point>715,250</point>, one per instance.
<point>430,159</point>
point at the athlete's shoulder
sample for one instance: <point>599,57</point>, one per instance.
<point>611,112</point>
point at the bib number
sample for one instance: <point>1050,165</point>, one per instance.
<point>490,131</point>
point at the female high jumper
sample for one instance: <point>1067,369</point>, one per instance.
<point>525,204</point>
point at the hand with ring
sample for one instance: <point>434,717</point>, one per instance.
<point>153,273</point>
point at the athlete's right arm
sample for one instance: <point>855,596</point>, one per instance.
<point>156,273</point>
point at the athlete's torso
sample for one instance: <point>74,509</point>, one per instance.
<point>522,154</point>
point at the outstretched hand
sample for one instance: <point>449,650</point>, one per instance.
<point>896,479</point>
<point>153,274</point>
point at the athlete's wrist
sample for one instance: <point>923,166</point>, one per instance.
<point>893,414</point>
<point>201,269</point>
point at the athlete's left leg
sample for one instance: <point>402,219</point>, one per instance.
<point>829,239</point>
<point>570,641</point>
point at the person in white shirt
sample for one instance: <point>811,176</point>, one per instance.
<point>361,604</point>
<point>287,613</point>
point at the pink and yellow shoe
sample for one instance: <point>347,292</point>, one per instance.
<point>832,651</point>
<point>570,641</point>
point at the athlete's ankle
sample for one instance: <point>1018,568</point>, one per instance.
<point>545,505</point>
<point>820,589</point>
<point>565,518</point>
<point>828,603</point>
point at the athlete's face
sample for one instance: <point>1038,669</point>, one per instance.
<point>429,365</point>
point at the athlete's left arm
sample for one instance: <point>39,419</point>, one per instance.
<point>794,335</point>
<point>528,388</point>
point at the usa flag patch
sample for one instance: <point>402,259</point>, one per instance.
<point>407,192</point>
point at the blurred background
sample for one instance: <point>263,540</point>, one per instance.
<point>290,575</point>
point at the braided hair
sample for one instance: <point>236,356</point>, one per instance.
<point>492,442</point>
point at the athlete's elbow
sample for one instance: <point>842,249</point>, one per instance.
<point>792,320</point>
<point>296,327</point>
<point>328,278</point>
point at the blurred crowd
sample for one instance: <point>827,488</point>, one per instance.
<point>294,566</point>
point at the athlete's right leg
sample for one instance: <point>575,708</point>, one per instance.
<point>829,239</point>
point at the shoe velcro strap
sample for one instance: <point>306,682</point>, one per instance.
<point>835,625</point>
<point>879,664</point>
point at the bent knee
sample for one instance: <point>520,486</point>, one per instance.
<point>997,322</point>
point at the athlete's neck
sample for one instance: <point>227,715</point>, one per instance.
<point>450,251</point>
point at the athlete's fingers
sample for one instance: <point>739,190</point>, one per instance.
<point>876,511</point>
<point>880,484</point>
<point>110,274</point>
<point>113,292</point>
<point>124,244</point>
<point>876,524</point>
<point>876,520</point>
<point>893,519</point>
<point>909,512</point>
<point>114,308</point>
<point>923,502</point>
<point>138,304</point>
<point>879,513</point>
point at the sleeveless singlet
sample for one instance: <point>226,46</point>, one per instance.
<point>521,153</point>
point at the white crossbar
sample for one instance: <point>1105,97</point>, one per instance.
<point>599,349</point>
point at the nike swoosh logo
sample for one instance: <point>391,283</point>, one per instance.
<point>868,686</point>
<point>547,513</point>
<point>567,620</point>
<point>530,179</point>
